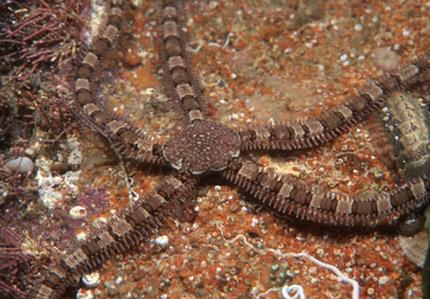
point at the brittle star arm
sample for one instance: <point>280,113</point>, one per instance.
<point>180,84</point>
<point>127,140</point>
<point>288,196</point>
<point>123,234</point>
<point>313,132</point>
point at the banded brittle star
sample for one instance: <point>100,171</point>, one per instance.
<point>205,147</point>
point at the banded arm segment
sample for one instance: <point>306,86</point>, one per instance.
<point>127,140</point>
<point>180,84</point>
<point>288,196</point>
<point>122,234</point>
<point>313,132</point>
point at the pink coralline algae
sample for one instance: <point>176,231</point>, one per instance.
<point>94,200</point>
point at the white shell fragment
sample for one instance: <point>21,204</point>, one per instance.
<point>91,280</point>
<point>84,294</point>
<point>78,212</point>
<point>81,236</point>
<point>21,164</point>
<point>162,241</point>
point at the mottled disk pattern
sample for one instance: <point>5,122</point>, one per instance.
<point>201,147</point>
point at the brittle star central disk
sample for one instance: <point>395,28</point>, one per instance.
<point>201,147</point>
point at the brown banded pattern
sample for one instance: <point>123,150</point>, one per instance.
<point>291,197</point>
<point>282,194</point>
<point>312,132</point>
<point>385,151</point>
<point>179,82</point>
<point>125,139</point>
<point>122,234</point>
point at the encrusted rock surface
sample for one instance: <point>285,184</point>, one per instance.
<point>259,61</point>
